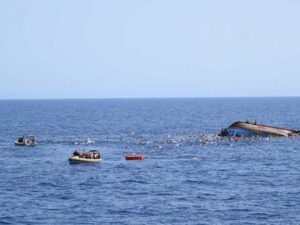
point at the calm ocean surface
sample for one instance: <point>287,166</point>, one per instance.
<point>196,179</point>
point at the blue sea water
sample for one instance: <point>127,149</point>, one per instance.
<point>190,176</point>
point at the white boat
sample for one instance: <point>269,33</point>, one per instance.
<point>77,159</point>
<point>92,156</point>
<point>26,141</point>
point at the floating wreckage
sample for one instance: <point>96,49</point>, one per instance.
<point>87,141</point>
<point>247,129</point>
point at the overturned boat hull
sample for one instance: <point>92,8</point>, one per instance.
<point>242,129</point>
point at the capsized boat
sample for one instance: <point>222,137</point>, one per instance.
<point>92,156</point>
<point>26,141</point>
<point>247,129</point>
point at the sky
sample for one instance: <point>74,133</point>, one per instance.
<point>149,48</point>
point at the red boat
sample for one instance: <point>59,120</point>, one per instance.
<point>134,157</point>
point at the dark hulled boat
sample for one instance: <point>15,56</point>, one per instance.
<point>242,129</point>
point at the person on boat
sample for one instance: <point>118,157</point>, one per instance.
<point>76,154</point>
<point>97,156</point>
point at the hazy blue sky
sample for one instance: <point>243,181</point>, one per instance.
<point>149,48</point>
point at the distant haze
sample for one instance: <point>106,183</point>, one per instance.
<point>149,48</point>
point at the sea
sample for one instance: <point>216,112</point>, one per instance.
<point>189,176</point>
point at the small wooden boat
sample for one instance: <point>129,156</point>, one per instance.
<point>242,129</point>
<point>26,141</point>
<point>134,157</point>
<point>92,156</point>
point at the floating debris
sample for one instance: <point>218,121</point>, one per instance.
<point>87,141</point>
<point>142,142</point>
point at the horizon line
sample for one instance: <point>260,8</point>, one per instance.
<point>128,98</point>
